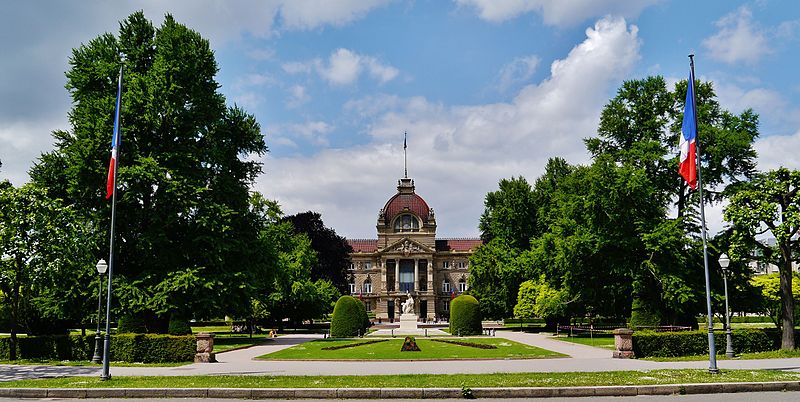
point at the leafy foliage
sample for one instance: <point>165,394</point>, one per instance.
<point>333,251</point>
<point>536,299</point>
<point>188,244</point>
<point>349,318</point>
<point>770,204</point>
<point>465,316</point>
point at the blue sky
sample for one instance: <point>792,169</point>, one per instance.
<point>486,89</point>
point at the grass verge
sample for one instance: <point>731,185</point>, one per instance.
<point>605,342</point>
<point>572,379</point>
<point>390,350</point>
<point>773,354</point>
<point>81,363</point>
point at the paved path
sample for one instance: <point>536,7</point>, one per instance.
<point>240,362</point>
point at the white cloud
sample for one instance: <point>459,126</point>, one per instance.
<point>778,150</point>
<point>556,13</point>
<point>344,67</point>
<point>518,71</point>
<point>309,14</point>
<point>739,39</point>
<point>297,96</point>
<point>21,143</point>
<point>458,153</point>
<point>313,131</point>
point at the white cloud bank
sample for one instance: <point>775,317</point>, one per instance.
<point>739,39</point>
<point>344,67</point>
<point>556,13</point>
<point>458,153</point>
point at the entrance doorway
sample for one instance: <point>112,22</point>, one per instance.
<point>406,276</point>
<point>423,310</point>
<point>390,310</point>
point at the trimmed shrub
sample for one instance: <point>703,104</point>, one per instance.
<point>349,318</point>
<point>179,327</point>
<point>124,347</point>
<point>465,316</point>
<point>690,343</point>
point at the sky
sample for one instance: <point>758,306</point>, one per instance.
<point>485,89</point>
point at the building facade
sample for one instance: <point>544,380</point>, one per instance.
<point>408,259</point>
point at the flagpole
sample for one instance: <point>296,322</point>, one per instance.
<point>712,353</point>
<point>107,341</point>
<point>405,154</point>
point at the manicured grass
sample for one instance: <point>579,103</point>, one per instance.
<point>228,341</point>
<point>605,342</point>
<point>504,380</point>
<point>390,350</point>
<point>773,354</point>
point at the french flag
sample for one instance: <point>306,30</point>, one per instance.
<point>111,184</point>
<point>688,159</point>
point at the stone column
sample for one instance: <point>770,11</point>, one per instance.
<point>623,344</point>
<point>430,277</point>
<point>396,275</point>
<point>382,268</point>
<point>416,274</point>
<point>205,348</point>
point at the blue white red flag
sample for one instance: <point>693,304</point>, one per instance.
<point>115,140</point>
<point>688,158</point>
<point>452,293</point>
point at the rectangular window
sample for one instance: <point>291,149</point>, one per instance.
<point>368,265</point>
<point>368,305</point>
<point>462,287</point>
<point>352,265</point>
<point>462,264</point>
<point>446,287</point>
<point>446,306</point>
<point>352,288</point>
<point>445,264</point>
<point>368,287</point>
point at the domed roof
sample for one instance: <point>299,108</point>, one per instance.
<point>406,203</point>
<point>406,200</point>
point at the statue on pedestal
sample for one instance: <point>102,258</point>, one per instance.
<point>408,305</point>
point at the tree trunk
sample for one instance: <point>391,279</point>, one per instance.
<point>787,300</point>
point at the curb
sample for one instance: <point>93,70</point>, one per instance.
<point>396,393</point>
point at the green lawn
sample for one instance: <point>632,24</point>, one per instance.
<point>80,363</point>
<point>605,342</point>
<point>430,350</point>
<point>225,340</point>
<point>504,380</point>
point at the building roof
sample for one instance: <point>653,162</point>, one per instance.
<point>457,244</point>
<point>363,245</point>
<point>400,203</point>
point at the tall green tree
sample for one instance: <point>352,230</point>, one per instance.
<point>494,278</point>
<point>510,213</point>
<point>185,232</point>
<point>44,260</point>
<point>770,204</point>
<point>333,251</point>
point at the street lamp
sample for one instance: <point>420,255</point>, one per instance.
<point>102,267</point>
<point>724,261</point>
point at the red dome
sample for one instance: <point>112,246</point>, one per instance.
<point>406,203</point>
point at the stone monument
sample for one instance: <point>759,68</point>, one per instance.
<point>408,320</point>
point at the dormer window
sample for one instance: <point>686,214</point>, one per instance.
<point>406,223</point>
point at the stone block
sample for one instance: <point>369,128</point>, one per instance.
<point>401,393</point>
<point>187,392</point>
<point>272,393</point>
<point>229,393</point>
<point>703,388</point>
<point>438,393</point>
<point>668,389</point>
<point>358,393</point>
<point>105,392</point>
<point>66,393</point>
<point>145,393</point>
<point>315,393</point>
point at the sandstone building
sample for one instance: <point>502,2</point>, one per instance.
<point>407,258</point>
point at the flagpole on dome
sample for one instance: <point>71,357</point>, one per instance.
<point>405,154</point>
<point>111,190</point>
<point>692,140</point>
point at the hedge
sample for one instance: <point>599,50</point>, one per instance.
<point>690,343</point>
<point>141,348</point>
<point>465,316</point>
<point>349,318</point>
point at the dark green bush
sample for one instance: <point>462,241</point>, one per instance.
<point>124,347</point>
<point>465,316</point>
<point>642,317</point>
<point>349,318</point>
<point>690,343</point>
<point>179,327</point>
<point>130,324</point>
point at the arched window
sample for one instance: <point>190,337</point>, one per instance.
<point>406,223</point>
<point>368,286</point>
<point>446,286</point>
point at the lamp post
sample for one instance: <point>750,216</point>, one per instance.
<point>724,261</point>
<point>102,267</point>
